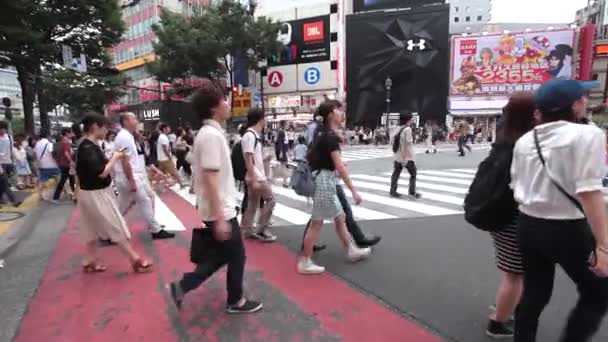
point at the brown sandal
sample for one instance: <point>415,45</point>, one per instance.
<point>141,266</point>
<point>94,267</point>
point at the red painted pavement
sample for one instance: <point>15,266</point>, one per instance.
<point>118,305</point>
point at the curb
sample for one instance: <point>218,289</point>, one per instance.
<point>20,229</point>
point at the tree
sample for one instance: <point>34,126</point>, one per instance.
<point>208,43</point>
<point>33,32</point>
<point>81,92</point>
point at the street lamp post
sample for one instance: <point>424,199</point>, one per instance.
<point>388,84</point>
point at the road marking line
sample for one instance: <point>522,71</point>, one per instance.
<point>425,195</point>
<point>446,174</point>
<point>438,179</point>
<point>423,185</point>
<point>426,209</point>
<point>471,171</point>
<point>359,212</point>
<point>165,216</point>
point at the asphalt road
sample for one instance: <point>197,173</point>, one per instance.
<point>437,270</point>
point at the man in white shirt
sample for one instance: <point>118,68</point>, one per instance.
<point>165,158</point>
<point>404,157</point>
<point>220,242</point>
<point>556,179</point>
<point>47,164</point>
<point>131,178</point>
<point>258,185</point>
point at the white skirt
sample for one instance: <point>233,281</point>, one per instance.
<point>100,216</point>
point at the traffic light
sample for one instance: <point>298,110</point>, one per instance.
<point>235,89</point>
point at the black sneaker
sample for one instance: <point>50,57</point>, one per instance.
<point>499,330</point>
<point>175,296</point>
<point>395,194</point>
<point>415,196</point>
<point>369,242</point>
<point>106,243</point>
<point>246,306</point>
<point>162,234</point>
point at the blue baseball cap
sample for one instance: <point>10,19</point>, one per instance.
<point>559,93</point>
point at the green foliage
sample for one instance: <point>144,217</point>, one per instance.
<point>201,45</point>
<point>32,33</point>
<point>82,92</point>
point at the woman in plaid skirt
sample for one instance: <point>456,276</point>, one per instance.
<point>325,161</point>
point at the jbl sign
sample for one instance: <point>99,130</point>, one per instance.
<point>313,31</point>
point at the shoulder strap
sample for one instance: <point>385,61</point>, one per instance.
<point>44,150</point>
<point>557,185</point>
<point>255,144</point>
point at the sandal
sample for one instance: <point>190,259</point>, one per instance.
<point>141,266</point>
<point>93,267</point>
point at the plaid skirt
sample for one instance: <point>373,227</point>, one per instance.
<point>325,203</point>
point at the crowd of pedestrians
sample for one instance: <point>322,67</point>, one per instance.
<point>551,207</point>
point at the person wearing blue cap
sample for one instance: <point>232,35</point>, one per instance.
<point>556,179</point>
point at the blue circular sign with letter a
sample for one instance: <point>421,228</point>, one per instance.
<point>312,75</point>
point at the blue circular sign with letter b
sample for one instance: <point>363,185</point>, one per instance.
<point>312,75</point>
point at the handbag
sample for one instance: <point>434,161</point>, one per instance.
<point>203,245</point>
<point>574,201</point>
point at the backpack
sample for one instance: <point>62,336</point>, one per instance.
<point>57,151</point>
<point>239,167</point>
<point>302,181</point>
<point>489,204</point>
<point>397,140</point>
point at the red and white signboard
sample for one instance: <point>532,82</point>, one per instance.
<point>281,79</point>
<point>506,63</point>
<point>275,79</point>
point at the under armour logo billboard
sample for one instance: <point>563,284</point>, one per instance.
<point>420,45</point>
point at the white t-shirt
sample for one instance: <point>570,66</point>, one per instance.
<point>172,138</point>
<point>211,152</point>
<point>44,154</point>
<point>124,139</point>
<point>249,145</point>
<point>575,158</point>
<point>5,150</point>
<point>163,140</point>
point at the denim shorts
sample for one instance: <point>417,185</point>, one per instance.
<point>46,174</point>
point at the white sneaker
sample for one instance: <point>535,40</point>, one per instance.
<point>307,266</point>
<point>355,253</point>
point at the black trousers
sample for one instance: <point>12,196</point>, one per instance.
<point>410,166</point>
<point>181,162</point>
<point>231,253</point>
<point>65,175</point>
<point>568,243</point>
<point>5,188</point>
<point>351,224</point>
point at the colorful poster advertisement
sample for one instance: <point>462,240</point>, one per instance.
<point>506,63</point>
<point>305,41</point>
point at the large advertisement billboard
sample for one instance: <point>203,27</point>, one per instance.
<point>505,63</point>
<point>305,41</point>
<point>371,5</point>
<point>412,48</point>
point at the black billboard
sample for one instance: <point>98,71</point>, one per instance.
<point>305,41</point>
<point>412,48</point>
<point>372,5</point>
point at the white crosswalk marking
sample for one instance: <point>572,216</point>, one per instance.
<point>443,193</point>
<point>166,217</point>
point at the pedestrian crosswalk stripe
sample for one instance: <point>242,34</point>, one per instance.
<point>471,171</point>
<point>426,209</point>
<point>425,195</point>
<point>439,179</point>
<point>446,174</point>
<point>423,185</point>
<point>358,211</point>
<point>291,215</point>
<point>166,217</point>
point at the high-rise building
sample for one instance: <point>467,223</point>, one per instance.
<point>467,15</point>
<point>135,50</point>
<point>9,87</point>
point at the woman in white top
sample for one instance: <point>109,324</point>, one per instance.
<point>556,179</point>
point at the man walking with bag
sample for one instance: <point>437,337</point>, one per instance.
<point>403,146</point>
<point>219,242</point>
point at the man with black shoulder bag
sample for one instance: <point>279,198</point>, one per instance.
<point>218,242</point>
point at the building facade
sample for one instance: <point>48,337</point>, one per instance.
<point>136,49</point>
<point>465,15</point>
<point>9,87</point>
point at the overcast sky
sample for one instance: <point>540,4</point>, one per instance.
<point>535,11</point>
<point>506,11</point>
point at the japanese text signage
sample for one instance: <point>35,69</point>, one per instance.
<point>502,64</point>
<point>305,41</point>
